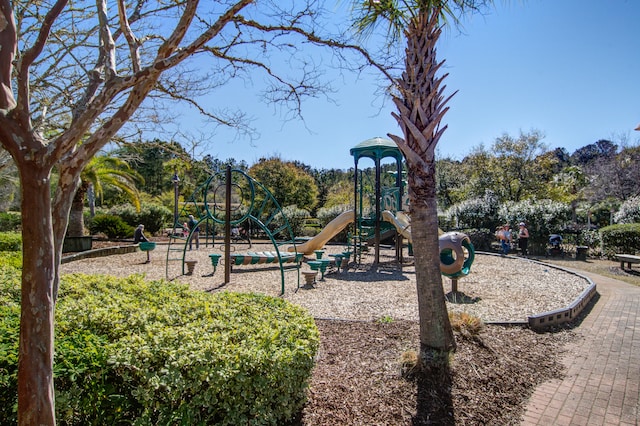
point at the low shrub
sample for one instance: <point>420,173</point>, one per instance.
<point>592,239</point>
<point>112,226</point>
<point>622,238</point>
<point>10,221</point>
<point>480,238</point>
<point>326,215</point>
<point>152,216</point>
<point>10,280</point>
<point>10,241</point>
<point>130,351</point>
<point>310,231</point>
<point>294,216</point>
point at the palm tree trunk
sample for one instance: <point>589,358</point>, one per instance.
<point>420,110</point>
<point>76,215</point>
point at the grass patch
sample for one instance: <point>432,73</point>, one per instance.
<point>604,267</point>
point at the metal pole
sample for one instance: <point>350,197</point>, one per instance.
<point>176,193</point>
<point>378,213</point>
<point>227,229</point>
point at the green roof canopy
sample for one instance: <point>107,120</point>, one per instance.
<point>376,148</point>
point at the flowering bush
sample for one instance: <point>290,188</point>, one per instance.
<point>481,212</point>
<point>629,211</point>
<point>542,217</point>
<point>296,218</point>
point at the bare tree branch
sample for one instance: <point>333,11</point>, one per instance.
<point>107,45</point>
<point>8,45</point>
<point>132,40</point>
<point>30,55</point>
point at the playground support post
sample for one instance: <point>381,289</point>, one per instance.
<point>227,228</point>
<point>176,192</point>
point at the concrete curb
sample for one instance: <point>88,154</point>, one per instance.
<point>548,319</point>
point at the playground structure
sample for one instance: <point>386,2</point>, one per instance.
<point>390,206</point>
<point>227,200</point>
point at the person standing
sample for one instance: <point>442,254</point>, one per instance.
<point>523,239</point>
<point>505,241</point>
<point>195,232</point>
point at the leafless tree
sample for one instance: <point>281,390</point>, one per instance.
<point>76,74</point>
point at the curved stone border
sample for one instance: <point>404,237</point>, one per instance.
<point>107,251</point>
<point>558,316</point>
<point>568,314</point>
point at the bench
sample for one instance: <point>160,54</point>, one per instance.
<point>252,258</point>
<point>628,259</point>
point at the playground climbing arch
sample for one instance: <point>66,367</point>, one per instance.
<point>227,199</point>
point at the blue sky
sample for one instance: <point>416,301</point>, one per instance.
<point>569,68</point>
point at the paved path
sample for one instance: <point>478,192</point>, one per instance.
<point>602,383</point>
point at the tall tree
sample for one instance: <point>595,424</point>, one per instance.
<point>103,171</point>
<point>421,107</point>
<point>149,159</point>
<point>73,74</point>
<point>287,182</point>
<point>517,171</point>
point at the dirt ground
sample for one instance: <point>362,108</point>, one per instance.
<point>357,378</point>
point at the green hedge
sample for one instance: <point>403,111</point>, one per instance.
<point>112,226</point>
<point>622,238</point>
<point>10,241</point>
<point>10,221</point>
<point>480,238</point>
<point>154,217</point>
<point>129,351</point>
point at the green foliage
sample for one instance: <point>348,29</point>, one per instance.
<point>629,211</point>
<point>543,218</point>
<point>622,238</point>
<point>9,335</point>
<point>340,193</point>
<point>152,216</point>
<point>289,184</point>
<point>592,239</point>
<point>326,215</point>
<point>295,216</point>
<point>10,221</point>
<point>129,351</point>
<point>481,238</point>
<point>10,241</point>
<point>11,258</point>
<point>110,225</point>
<point>481,212</point>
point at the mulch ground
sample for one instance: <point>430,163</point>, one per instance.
<point>357,379</point>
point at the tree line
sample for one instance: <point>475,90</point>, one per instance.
<point>594,180</point>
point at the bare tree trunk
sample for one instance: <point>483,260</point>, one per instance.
<point>35,364</point>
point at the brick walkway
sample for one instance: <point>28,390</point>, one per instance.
<point>602,383</point>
